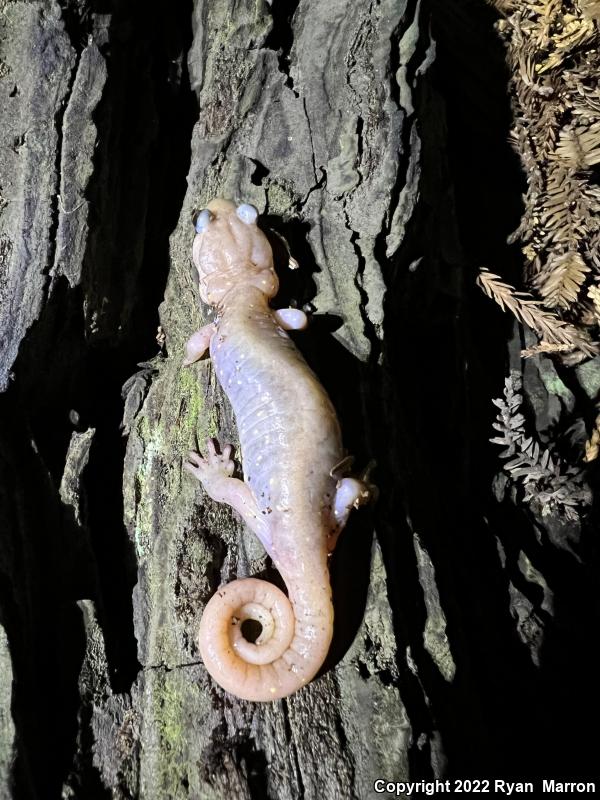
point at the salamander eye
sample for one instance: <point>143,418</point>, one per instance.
<point>202,220</point>
<point>247,213</point>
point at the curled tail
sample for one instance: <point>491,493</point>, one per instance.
<point>292,644</point>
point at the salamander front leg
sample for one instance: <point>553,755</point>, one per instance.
<point>198,344</point>
<point>215,474</point>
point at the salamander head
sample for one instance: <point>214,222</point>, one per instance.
<point>231,251</point>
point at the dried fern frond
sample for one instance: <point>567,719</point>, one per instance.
<point>553,52</point>
<point>560,281</point>
<point>592,250</point>
<point>559,223</point>
<point>570,34</point>
<point>541,20</point>
<point>585,100</point>
<point>546,9</point>
<point>527,310</point>
<point>594,295</point>
<point>590,9</point>
<point>544,347</point>
<point>504,6</point>
<point>579,146</point>
<point>592,446</point>
<point>557,486</point>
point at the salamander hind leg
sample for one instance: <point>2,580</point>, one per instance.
<point>350,493</point>
<point>215,471</point>
<point>291,319</point>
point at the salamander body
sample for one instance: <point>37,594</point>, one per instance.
<point>290,445</point>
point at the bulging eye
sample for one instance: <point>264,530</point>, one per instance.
<point>247,213</point>
<point>202,220</point>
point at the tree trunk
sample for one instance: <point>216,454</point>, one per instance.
<point>331,119</point>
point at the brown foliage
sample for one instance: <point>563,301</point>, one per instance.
<point>553,48</point>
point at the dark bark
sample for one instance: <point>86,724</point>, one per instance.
<point>461,621</point>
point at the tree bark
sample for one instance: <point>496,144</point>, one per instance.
<point>331,118</point>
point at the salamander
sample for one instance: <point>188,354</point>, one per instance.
<point>291,496</point>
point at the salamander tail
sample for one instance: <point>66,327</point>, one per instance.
<point>286,654</point>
